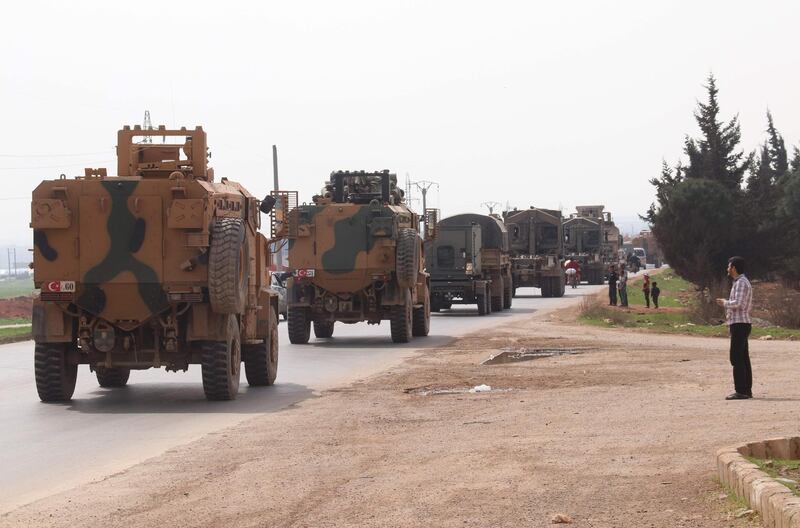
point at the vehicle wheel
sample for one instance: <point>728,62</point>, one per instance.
<point>421,324</point>
<point>407,259</point>
<point>222,362</point>
<point>497,295</point>
<point>261,360</point>
<point>400,321</point>
<point>508,294</point>
<point>447,306</point>
<point>55,377</point>
<point>112,377</point>
<point>482,304</point>
<point>228,266</point>
<point>299,326</point>
<point>545,287</point>
<point>323,329</point>
<point>559,286</point>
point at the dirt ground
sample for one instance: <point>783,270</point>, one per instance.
<point>621,433</point>
<point>16,307</point>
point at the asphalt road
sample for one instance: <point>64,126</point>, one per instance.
<point>47,448</point>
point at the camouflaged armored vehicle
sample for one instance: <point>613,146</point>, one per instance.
<point>586,240</point>
<point>159,266</point>
<point>537,250</point>
<point>469,264</point>
<point>356,255</point>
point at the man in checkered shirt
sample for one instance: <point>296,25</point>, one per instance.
<point>737,314</point>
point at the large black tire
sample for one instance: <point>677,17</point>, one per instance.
<point>407,260</point>
<point>299,326</point>
<point>483,304</point>
<point>561,286</point>
<point>261,359</point>
<point>497,295</point>
<point>508,293</point>
<point>55,377</point>
<point>421,323</point>
<point>222,363</point>
<point>323,329</point>
<point>546,287</point>
<point>228,266</point>
<point>112,377</point>
<point>401,319</point>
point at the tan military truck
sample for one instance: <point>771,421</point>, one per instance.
<point>356,255</point>
<point>159,266</point>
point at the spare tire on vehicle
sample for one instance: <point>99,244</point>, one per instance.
<point>228,266</point>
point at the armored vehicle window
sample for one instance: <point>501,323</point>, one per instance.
<point>445,256</point>
<point>549,234</point>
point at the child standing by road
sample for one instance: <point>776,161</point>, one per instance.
<point>646,289</point>
<point>656,292</point>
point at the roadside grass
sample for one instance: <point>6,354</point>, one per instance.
<point>14,321</point>
<point>673,315</point>
<point>787,472</point>
<point>9,335</point>
<point>16,288</point>
<point>675,291</point>
<point>736,508</point>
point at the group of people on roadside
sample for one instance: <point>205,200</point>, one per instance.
<point>618,284</point>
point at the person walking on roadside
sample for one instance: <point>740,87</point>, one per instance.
<point>656,291</point>
<point>623,286</point>
<point>737,314</point>
<point>646,289</point>
<point>612,286</point>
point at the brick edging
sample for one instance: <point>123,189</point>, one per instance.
<point>778,506</point>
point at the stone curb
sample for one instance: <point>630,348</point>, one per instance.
<point>778,506</point>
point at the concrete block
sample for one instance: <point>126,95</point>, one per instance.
<point>778,448</point>
<point>757,449</point>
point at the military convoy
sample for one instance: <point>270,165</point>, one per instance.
<point>158,266</point>
<point>357,255</point>
<point>469,263</point>
<point>163,266</point>
<point>536,243</point>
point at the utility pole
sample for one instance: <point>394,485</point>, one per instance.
<point>147,125</point>
<point>275,166</point>
<point>423,186</point>
<point>8,253</point>
<point>491,205</point>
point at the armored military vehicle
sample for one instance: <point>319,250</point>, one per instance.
<point>356,255</point>
<point>583,242</point>
<point>159,266</point>
<point>536,241</point>
<point>469,263</point>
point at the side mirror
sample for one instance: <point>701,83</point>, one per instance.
<point>267,204</point>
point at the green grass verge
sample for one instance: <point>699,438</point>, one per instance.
<point>9,335</point>
<point>14,321</point>
<point>16,288</point>
<point>675,293</point>
<point>677,323</point>
<point>781,469</point>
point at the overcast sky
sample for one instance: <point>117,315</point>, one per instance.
<point>546,104</point>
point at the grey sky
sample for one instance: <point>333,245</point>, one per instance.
<point>546,104</point>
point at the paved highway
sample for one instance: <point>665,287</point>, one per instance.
<point>47,448</point>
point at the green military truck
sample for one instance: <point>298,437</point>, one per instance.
<point>584,242</point>
<point>536,242</point>
<point>469,263</point>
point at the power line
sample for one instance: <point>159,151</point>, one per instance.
<point>80,164</point>
<point>54,155</point>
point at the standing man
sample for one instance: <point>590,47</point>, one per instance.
<point>623,286</point>
<point>612,286</point>
<point>646,289</point>
<point>737,315</point>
